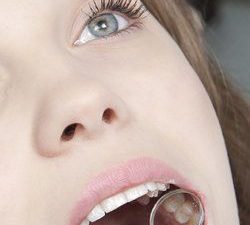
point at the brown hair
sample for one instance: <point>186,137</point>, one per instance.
<point>185,26</point>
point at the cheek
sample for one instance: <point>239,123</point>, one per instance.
<point>163,90</point>
<point>173,99</point>
<point>153,77</point>
<point>160,85</point>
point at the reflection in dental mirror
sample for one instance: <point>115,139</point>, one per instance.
<point>177,207</point>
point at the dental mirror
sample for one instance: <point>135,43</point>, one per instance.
<point>177,207</point>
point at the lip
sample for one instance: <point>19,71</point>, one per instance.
<point>127,174</point>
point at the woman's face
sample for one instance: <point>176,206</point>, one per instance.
<point>140,110</point>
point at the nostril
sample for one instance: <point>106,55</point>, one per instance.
<point>69,131</point>
<point>108,115</point>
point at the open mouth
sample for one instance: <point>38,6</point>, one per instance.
<point>125,194</point>
<point>133,207</point>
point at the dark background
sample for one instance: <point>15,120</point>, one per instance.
<point>208,8</point>
<point>228,36</point>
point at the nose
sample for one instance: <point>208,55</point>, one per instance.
<point>77,113</point>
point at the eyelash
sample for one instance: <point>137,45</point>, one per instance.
<point>133,11</point>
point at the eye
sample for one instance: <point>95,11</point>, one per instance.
<point>108,18</point>
<point>102,26</point>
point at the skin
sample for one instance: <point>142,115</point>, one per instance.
<point>162,111</point>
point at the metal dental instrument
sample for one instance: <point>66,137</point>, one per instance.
<point>165,209</point>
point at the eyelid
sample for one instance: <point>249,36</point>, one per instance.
<point>82,19</point>
<point>86,34</point>
<point>82,25</point>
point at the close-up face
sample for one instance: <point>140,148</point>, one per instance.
<point>84,118</point>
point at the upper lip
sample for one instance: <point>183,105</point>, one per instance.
<point>123,176</point>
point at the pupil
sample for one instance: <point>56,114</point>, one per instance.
<point>101,25</point>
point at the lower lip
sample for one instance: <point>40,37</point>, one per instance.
<point>123,176</point>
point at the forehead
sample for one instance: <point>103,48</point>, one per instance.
<point>23,22</point>
<point>18,12</point>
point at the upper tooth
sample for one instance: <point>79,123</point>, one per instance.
<point>150,194</point>
<point>161,187</point>
<point>113,202</point>
<point>136,192</point>
<point>151,186</point>
<point>153,193</point>
<point>96,213</point>
<point>156,193</point>
<point>85,222</point>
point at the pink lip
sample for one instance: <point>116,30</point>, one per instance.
<point>123,176</point>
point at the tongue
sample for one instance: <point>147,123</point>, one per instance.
<point>135,214</point>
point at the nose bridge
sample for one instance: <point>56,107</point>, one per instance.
<point>44,69</point>
<point>76,112</point>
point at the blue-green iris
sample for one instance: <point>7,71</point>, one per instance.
<point>103,25</point>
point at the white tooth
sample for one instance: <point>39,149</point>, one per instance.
<point>85,222</point>
<point>174,202</point>
<point>113,202</point>
<point>135,192</point>
<point>156,193</point>
<point>151,186</point>
<point>96,213</point>
<point>184,212</point>
<point>152,194</point>
<point>161,187</point>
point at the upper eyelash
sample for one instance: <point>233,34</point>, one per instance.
<point>123,6</point>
